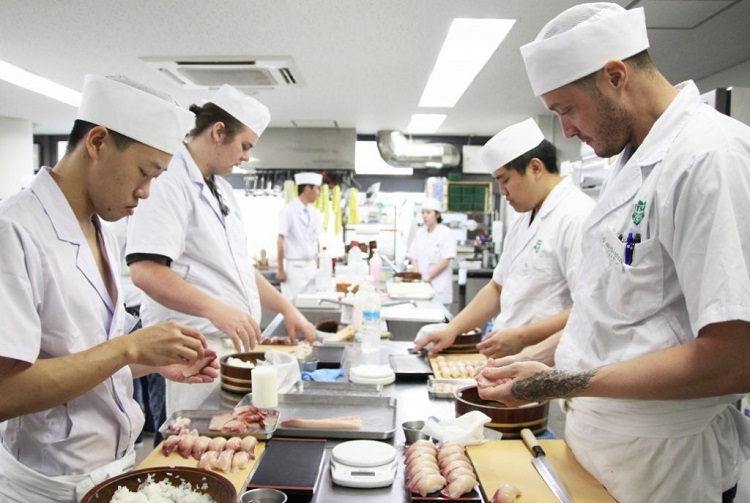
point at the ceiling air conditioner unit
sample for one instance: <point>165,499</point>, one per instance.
<point>245,72</point>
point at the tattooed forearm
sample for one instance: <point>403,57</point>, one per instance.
<point>551,384</point>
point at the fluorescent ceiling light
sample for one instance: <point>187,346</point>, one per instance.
<point>367,161</point>
<point>467,48</point>
<point>27,80</point>
<point>425,123</point>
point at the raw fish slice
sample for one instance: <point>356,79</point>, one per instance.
<point>224,463</point>
<point>461,485</point>
<point>330,423</point>
<point>197,365</point>
<point>237,426</point>
<point>208,460</point>
<point>422,450</point>
<point>427,485</point>
<point>419,470</point>
<point>447,460</point>
<point>420,444</point>
<point>187,441</point>
<point>233,444</point>
<point>170,444</point>
<point>219,420</point>
<point>248,445</point>
<point>201,446</point>
<point>506,493</point>
<point>217,444</point>
<point>450,448</point>
<point>456,463</point>
<point>458,472</point>
<point>240,460</point>
<point>425,459</point>
<point>178,424</point>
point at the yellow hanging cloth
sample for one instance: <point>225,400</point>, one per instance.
<point>336,207</point>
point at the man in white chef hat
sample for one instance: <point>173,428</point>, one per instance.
<point>530,290</point>
<point>66,369</point>
<point>300,227</point>
<point>432,250</point>
<point>654,355</point>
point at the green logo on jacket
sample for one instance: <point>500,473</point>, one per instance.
<point>639,213</point>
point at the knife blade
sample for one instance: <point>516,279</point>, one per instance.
<point>543,466</point>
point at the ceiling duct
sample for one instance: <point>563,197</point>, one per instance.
<point>398,151</point>
<point>246,73</point>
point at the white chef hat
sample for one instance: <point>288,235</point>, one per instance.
<point>308,178</point>
<point>135,113</point>
<point>246,109</point>
<point>430,203</point>
<point>580,41</point>
<point>510,143</point>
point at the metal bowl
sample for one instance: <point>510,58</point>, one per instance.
<point>263,495</point>
<point>202,481</point>
<point>509,420</point>
<point>413,431</point>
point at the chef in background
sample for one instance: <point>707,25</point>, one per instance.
<point>532,283</point>
<point>187,248</point>
<point>67,362</point>
<point>300,227</point>
<point>654,356</point>
<point>432,250</point>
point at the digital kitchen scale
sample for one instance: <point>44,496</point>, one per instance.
<point>363,464</point>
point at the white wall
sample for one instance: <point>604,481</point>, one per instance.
<point>16,155</point>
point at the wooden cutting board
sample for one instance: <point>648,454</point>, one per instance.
<point>500,462</point>
<point>238,479</point>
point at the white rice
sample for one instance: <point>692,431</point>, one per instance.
<point>236,362</point>
<point>160,492</point>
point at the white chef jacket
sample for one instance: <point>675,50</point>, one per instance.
<point>182,220</point>
<point>301,225</point>
<point>540,259</point>
<point>428,248</point>
<point>685,191</point>
<point>55,303</point>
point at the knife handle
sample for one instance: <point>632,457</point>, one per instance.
<point>532,443</point>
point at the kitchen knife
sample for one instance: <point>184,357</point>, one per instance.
<point>543,466</point>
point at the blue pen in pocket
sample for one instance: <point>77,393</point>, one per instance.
<point>629,247</point>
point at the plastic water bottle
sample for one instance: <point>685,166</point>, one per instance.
<point>370,329</point>
<point>376,264</point>
<point>324,276</point>
<point>357,263</point>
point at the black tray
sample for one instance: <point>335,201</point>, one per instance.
<point>291,465</point>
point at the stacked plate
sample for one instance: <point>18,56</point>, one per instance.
<point>372,374</point>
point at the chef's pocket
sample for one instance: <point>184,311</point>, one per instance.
<point>636,290</point>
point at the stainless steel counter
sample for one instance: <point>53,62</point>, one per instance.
<point>413,402</point>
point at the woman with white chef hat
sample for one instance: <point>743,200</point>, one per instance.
<point>187,247</point>
<point>530,291</point>
<point>68,420</point>
<point>653,358</point>
<point>432,251</point>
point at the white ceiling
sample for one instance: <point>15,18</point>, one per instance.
<point>364,62</point>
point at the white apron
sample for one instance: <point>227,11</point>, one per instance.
<point>300,277</point>
<point>21,484</point>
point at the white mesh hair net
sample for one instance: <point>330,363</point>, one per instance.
<point>577,16</point>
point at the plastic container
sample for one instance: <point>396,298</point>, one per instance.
<point>376,264</point>
<point>324,276</point>
<point>356,260</point>
<point>370,329</point>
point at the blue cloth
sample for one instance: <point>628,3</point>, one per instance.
<point>324,375</point>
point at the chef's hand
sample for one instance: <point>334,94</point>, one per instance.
<point>295,322</point>
<point>281,276</point>
<point>497,382</point>
<point>442,338</point>
<point>186,372</point>
<point>164,344</point>
<point>238,325</point>
<point>502,342</point>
